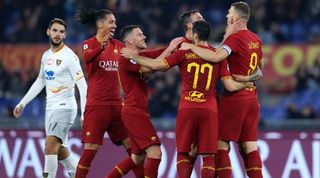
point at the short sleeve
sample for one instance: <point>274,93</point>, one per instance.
<point>154,53</point>
<point>230,44</point>
<point>75,68</point>
<point>129,65</point>
<point>224,71</point>
<point>175,58</point>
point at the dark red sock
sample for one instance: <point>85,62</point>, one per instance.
<point>208,167</point>
<point>139,170</point>
<point>85,163</point>
<point>184,168</point>
<point>223,165</point>
<point>254,165</point>
<point>151,168</point>
<point>122,168</point>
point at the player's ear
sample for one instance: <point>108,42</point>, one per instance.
<point>48,32</point>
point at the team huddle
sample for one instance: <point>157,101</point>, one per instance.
<point>204,125</point>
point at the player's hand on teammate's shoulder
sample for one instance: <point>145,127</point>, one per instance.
<point>18,110</point>
<point>174,43</point>
<point>234,28</point>
<point>185,46</point>
<point>127,53</point>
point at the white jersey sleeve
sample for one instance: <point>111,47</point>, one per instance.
<point>35,89</point>
<point>76,72</point>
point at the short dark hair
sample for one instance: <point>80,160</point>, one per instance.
<point>185,18</point>
<point>89,16</point>
<point>59,21</point>
<point>243,9</point>
<point>125,31</point>
<point>202,28</point>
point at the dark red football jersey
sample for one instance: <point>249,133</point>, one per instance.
<point>102,71</point>
<point>134,84</point>
<point>245,53</point>
<point>199,79</point>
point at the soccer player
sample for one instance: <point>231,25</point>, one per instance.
<point>60,70</point>
<point>135,114</point>
<point>239,111</point>
<point>103,109</point>
<point>187,19</point>
<point>197,120</point>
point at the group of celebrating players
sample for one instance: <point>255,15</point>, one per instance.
<point>204,125</point>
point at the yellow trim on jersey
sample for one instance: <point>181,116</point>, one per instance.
<point>79,76</point>
<point>119,170</point>
<point>82,167</point>
<point>226,77</point>
<point>254,169</point>
<point>58,49</point>
<point>223,168</point>
<point>166,62</point>
<point>183,161</point>
<point>208,167</point>
<point>56,90</point>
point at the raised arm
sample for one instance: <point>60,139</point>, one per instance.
<point>147,63</point>
<point>89,53</point>
<point>206,54</point>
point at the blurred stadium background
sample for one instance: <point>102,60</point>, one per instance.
<point>289,93</point>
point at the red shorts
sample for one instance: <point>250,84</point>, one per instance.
<point>238,120</point>
<point>99,119</point>
<point>141,131</point>
<point>198,126</point>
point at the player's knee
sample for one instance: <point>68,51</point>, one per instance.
<point>223,145</point>
<point>126,143</point>
<point>91,146</point>
<point>154,151</point>
<point>52,145</point>
<point>63,153</point>
<point>248,147</point>
<point>138,159</point>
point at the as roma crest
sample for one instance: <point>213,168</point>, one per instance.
<point>58,62</point>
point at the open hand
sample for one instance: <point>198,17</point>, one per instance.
<point>185,46</point>
<point>234,28</point>
<point>174,43</point>
<point>18,110</point>
<point>127,53</point>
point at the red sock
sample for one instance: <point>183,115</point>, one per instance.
<point>254,165</point>
<point>139,170</point>
<point>85,163</point>
<point>223,165</point>
<point>151,168</point>
<point>184,165</point>
<point>208,168</point>
<point>122,168</point>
